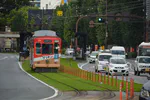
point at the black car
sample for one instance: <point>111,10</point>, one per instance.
<point>145,91</point>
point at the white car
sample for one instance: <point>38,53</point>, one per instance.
<point>118,51</point>
<point>118,65</point>
<point>92,56</point>
<point>69,51</point>
<point>142,65</point>
<point>101,62</point>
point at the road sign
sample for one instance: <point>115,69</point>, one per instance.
<point>59,13</point>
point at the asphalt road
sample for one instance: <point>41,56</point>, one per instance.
<point>17,85</point>
<point>138,79</point>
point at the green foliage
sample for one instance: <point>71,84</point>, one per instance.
<point>131,55</point>
<point>18,18</point>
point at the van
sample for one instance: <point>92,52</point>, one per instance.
<point>118,51</point>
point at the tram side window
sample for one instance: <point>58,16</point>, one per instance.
<point>38,48</point>
<point>47,48</point>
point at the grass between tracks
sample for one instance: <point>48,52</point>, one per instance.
<point>58,80</point>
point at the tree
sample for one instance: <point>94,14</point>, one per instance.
<point>18,19</point>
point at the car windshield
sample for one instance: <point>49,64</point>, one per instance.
<point>117,61</point>
<point>104,57</point>
<point>118,52</point>
<point>144,60</point>
<point>94,53</point>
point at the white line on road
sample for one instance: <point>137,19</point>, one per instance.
<point>56,91</point>
<point>3,58</point>
<point>82,65</point>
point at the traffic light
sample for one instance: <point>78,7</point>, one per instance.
<point>101,20</point>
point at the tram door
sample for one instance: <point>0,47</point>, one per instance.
<point>56,51</point>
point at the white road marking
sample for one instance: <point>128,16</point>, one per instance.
<point>82,65</point>
<point>4,58</point>
<point>56,91</point>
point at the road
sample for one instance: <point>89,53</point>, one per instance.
<point>138,79</point>
<point>17,85</point>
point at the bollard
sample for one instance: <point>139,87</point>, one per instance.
<point>122,81</point>
<point>100,77</point>
<point>131,88</point>
<point>126,89</point>
<point>116,82</point>
<point>112,80</point>
<point>120,91</point>
<point>104,78</point>
<point>108,79</point>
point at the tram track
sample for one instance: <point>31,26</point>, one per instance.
<point>107,94</point>
<point>112,94</point>
<point>78,93</point>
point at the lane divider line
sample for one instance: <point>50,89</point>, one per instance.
<point>56,91</point>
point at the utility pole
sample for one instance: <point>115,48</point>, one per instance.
<point>106,36</point>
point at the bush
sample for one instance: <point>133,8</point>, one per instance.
<point>131,55</point>
<point>63,51</point>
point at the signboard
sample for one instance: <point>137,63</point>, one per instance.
<point>59,13</point>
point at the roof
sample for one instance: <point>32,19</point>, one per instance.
<point>145,44</point>
<point>143,56</point>
<point>44,33</point>
<point>104,54</point>
<point>117,57</point>
<point>94,51</point>
<point>118,48</point>
<point>10,35</point>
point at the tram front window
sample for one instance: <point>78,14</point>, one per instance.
<point>47,48</point>
<point>38,48</point>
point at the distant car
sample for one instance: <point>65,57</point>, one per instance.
<point>145,91</point>
<point>69,51</point>
<point>142,65</point>
<point>92,56</point>
<point>118,65</point>
<point>118,51</point>
<point>101,62</point>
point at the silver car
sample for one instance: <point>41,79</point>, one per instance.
<point>69,51</point>
<point>101,62</point>
<point>92,56</point>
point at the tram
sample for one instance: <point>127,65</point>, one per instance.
<point>45,51</point>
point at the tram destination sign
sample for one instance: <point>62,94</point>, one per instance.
<point>47,41</point>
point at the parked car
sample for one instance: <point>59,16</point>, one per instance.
<point>92,56</point>
<point>145,91</point>
<point>118,65</point>
<point>101,62</point>
<point>142,65</point>
<point>69,51</point>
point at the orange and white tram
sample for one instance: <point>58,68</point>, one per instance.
<point>45,51</point>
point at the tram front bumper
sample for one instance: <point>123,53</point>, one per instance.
<point>47,65</point>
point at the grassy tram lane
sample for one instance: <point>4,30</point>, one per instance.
<point>57,79</point>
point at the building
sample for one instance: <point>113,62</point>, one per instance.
<point>47,4</point>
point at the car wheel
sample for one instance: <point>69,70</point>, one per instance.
<point>127,74</point>
<point>96,70</point>
<point>135,72</point>
<point>138,73</point>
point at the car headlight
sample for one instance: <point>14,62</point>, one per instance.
<point>141,66</point>
<point>145,93</point>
